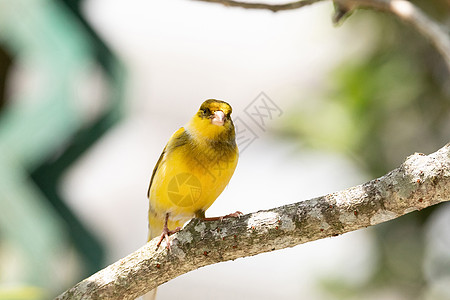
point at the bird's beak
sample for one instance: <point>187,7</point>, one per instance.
<point>219,118</point>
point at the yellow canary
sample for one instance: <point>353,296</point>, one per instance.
<point>193,170</point>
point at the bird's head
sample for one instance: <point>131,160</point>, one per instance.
<point>213,120</point>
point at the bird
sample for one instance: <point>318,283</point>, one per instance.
<point>192,171</point>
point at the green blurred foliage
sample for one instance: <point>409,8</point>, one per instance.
<point>379,109</point>
<point>44,246</point>
<point>23,293</point>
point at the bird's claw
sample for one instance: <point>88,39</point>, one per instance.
<point>165,235</point>
<point>236,214</point>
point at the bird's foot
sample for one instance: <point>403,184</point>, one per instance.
<point>165,235</point>
<point>236,214</point>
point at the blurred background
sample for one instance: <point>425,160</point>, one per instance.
<point>90,92</point>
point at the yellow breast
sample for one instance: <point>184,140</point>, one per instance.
<point>190,181</point>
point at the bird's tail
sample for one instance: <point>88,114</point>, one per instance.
<point>151,234</point>
<point>150,295</point>
<point>155,228</point>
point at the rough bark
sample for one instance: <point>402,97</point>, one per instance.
<point>421,181</point>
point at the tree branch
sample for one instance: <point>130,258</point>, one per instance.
<point>403,9</point>
<point>421,181</point>
<point>271,7</point>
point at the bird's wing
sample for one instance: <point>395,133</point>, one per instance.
<point>179,138</point>
<point>160,159</point>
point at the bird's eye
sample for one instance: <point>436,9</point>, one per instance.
<point>205,111</point>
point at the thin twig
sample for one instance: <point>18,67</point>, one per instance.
<point>405,10</point>
<point>271,7</point>
<point>410,13</point>
<point>421,181</point>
